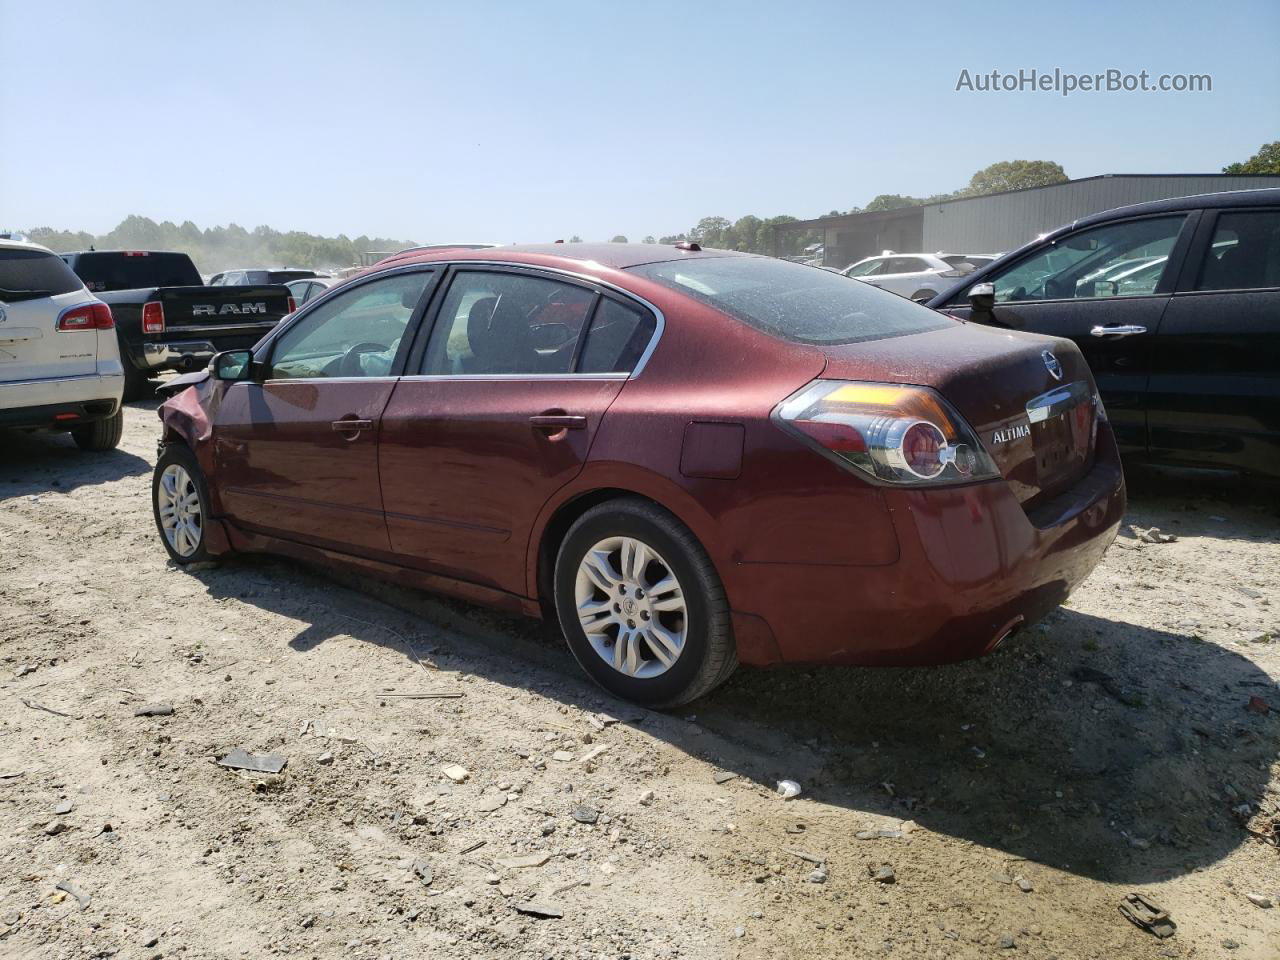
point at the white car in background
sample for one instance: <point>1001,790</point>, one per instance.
<point>59,360</point>
<point>917,276</point>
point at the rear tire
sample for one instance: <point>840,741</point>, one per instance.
<point>641,606</point>
<point>101,434</point>
<point>180,504</point>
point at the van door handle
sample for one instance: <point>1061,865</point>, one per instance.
<point>558,421</point>
<point>1119,330</point>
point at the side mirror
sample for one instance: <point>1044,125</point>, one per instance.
<point>232,365</point>
<point>982,297</point>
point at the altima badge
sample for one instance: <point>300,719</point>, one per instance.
<point>1051,364</point>
<point>1016,432</point>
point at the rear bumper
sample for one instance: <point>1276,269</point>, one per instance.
<point>61,402</point>
<point>181,355</point>
<point>972,567</point>
<point>60,416</point>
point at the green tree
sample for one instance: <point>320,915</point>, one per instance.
<point>1014,175</point>
<point>1266,160</point>
<point>619,239</point>
<point>575,239</point>
<point>893,201</point>
<point>710,231</point>
<point>649,239</point>
<point>673,238</point>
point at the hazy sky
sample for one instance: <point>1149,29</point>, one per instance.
<point>511,121</point>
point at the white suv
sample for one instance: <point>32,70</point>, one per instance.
<point>59,359</point>
<point>918,276</point>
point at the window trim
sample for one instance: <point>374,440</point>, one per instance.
<point>1169,280</point>
<point>1189,275</point>
<point>265,350</point>
<point>595,285</point>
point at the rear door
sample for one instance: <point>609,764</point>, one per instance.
<point>36,288</point>
<point>297,455</point>
<point>1215,379</point>
<point>1064,288</point>
<point>902,275</point>
<point>499,414</point>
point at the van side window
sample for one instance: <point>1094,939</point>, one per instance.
<point>1244,253</point>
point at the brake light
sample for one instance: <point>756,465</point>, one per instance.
<point>153,317</point>
<point>892,433</point>
<point>88,316</point>
<point>293,305</point>
<point>137,253</point>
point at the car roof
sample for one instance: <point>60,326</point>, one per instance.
<point>1262,197</point>
<point>618,256</point>
<point>8,244</point>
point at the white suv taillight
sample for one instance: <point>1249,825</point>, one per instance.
<point>153,317</point>
<point>89,316</point>
<point>889,432</point>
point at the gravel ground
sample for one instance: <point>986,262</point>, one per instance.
<point>1016,799</point>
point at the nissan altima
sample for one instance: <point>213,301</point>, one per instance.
<point>689,458</point>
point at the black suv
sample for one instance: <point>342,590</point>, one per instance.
<point>1176,305</point>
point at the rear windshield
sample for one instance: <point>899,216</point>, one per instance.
<point>795,302</point>
<point>28,274</point>
<point>128,271</point>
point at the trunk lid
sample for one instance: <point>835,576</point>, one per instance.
<point>33,348</point>
<point>1038,428</point>
<point>223,309</point>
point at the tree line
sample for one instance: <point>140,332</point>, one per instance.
<point>221,248</point>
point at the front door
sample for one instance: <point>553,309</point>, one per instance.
<point>512,383</point>
<point>297,454</point>
<point>1106,288</point>
<point>1215,384</point>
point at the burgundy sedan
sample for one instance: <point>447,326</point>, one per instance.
<point>693,459</point>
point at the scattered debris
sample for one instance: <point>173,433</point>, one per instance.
<point>593,752</point>
<point>1023,884</point>
<point>23,670</point>
<point>563,756</point>
<point>149,938</point>
<point>546,911</point>
<point>491,803</point>
<point>240,759</point>
<point>788,789</point>
<point>82,898</point>
<point>521,863</point>
<point>1153,535</point>
<point>55,827</point>
<point>472,848</point>
<point>647,798</point>
<point>807,857</point>
<point>57,713</point>
<point>883,874</point>
<point>422,870</point>
<point>64,807</point>
<point>584,814</point>
<point>1142,912</point>
<point>723,776</point>
<point>422,695</point>
<point>325,759</point>
<point>818,875</point>
<point>456,773</point>
<point>1258,900</point>
<point>154,710</point>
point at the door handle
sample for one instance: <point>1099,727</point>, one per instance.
<point>1119,330</point>
<point>558,421</point>
<point>352,425</point>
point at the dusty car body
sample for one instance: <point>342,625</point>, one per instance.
<point>827,480</point>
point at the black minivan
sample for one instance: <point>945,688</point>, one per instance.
<point>1176,305</point>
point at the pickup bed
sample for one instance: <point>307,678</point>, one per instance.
<point>166,319</point>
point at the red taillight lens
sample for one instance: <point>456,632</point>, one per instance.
<point>893,433</point>
<point>90,316</point>
<point>293,305</point>
<point>153,317</point>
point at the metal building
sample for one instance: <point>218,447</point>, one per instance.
<point>999,222</point>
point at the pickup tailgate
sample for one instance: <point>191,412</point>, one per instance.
<point>210,311</point>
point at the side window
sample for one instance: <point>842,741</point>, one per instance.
<point>492,322</point>
<point>356,334</point>
<point>1244,253</point>
<point>870,268</point>
<point>616,340</point>
<point>906,265</point>
<point>1116,260</point>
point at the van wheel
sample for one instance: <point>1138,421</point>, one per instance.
<point>180,502</point>
<point>101,434</point>
<point>641,606</point>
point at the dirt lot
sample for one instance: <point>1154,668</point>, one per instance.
<point>1106,751</point>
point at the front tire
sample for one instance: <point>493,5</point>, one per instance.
<point>641,606</point>
<point>180,503</point>
<point>101,434</point>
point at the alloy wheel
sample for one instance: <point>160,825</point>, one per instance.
<point>631,607</point>
<point>181,513</point>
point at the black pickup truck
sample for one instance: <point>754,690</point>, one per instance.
<point>166,318</point>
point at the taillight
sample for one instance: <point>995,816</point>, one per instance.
<point>293,305</point>
<point>897,434</point>
<point>89,316</point>
<point>153,317</point>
